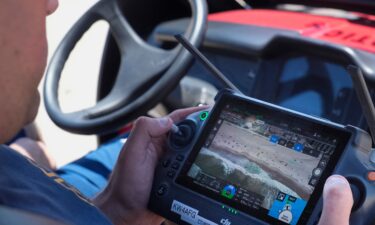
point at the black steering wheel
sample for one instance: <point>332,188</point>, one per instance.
<point>146,73</point>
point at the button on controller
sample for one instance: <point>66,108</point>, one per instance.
<point>175,165</point>
<point>203,115</point>
<point>166,163</point>
<point>162,190</point>
<point>180,158</point>
<point>171,173</point>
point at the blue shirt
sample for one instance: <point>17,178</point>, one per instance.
<point>25,186</point>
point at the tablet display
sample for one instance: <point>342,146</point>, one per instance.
<point>266,162</point>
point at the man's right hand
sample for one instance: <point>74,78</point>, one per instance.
<point>337,201</point>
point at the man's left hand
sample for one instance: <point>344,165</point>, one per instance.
<point>125,198</point>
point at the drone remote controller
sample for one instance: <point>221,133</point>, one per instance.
<point>251,162</point>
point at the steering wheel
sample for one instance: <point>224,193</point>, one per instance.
<point>146,73</point>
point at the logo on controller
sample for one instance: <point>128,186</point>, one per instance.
<point>225,222</point>
<point>228,191</point>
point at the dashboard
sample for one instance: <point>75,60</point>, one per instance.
<point>300,82</point>
<point>282,67</point>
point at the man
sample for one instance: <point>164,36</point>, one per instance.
<point>23,185</point>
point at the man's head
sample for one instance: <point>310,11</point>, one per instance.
<point>23,54</point>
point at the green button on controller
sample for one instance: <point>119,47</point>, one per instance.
<point>203,115</point>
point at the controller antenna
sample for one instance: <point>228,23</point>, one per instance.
<point>205,62</point>
<point>364,97</point>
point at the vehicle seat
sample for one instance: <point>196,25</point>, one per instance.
<point>310,85</point>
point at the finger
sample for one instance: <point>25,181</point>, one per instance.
<point>151,127</point>
<point>140,146</point>
<point>181,114</point>
<point>337,201</point>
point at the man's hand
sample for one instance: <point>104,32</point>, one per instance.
<point>337,201</point>
<point>125,198</point>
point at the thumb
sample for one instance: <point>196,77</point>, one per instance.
<point>337,201</point>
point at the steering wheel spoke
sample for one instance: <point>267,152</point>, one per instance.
<point>132,80</point>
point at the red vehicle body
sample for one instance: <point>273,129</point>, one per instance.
<point>357,33</point>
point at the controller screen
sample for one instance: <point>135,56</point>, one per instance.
<point>256,159</point>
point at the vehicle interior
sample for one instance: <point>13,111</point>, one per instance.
<point>291,68</point>
<point>293,53</point>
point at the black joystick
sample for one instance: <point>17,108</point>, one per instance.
<point>184,135</point>
<point>356,197</point>
<point>357,190</point>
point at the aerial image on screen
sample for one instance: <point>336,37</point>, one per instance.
<point>262,163</point>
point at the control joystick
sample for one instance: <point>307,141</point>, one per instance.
<point>358,192</point>
<point>184,134</point>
